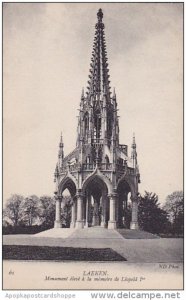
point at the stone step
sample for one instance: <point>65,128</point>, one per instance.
<point>96,232</point>
<point>137,234</point>
<point>56,232</point>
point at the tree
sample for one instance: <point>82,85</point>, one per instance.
<point>151,217</point>
<point>31,210</point>
<point>13,210</point>
<point>127,215</point>
<point>66,211</point>
<point>47,211</point>
<point>174,206</point>
<point>47,207</point>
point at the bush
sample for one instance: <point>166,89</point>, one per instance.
<point>24,229</point>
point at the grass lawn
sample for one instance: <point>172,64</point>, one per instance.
<point>22,252</point>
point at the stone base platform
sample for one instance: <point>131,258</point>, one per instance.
<point>95,232</point>
<point>135,246</point>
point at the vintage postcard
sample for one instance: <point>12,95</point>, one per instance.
<point>93,146</point>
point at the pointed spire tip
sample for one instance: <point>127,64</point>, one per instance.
<point>133,138</point>
<point>100,15</point>
<point>61,139</point>
<point>98,79</point>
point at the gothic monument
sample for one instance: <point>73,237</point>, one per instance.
<point>98,173</point>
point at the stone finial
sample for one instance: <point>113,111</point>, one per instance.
<point>114,93</point>
<point>56,173</point>
<point>82,94</point>
<point>133,141</point>
<point>134,152</point>
<point>100,15</point>
<point>61,141</point>
<point>61,153</point>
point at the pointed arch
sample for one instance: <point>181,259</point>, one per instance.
<point>130,183</point>
<point>107,161</point>
<point>68,183</point>
<point>101,177</point>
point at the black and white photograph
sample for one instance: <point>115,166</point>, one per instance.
<point>93,146</point>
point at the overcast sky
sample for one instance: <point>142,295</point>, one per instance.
<point>47,51</point>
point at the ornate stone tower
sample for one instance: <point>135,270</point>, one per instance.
<point>98,173</point>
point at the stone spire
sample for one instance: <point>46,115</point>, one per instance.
<point>82,94</point>
<point>61,151</point>
<point>98,82</point>
<point>134,152</point>
<point>56,173</point>
<point>114,98</point>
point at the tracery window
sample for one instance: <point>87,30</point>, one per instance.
<point>86,123</point>
<point>97,124</point>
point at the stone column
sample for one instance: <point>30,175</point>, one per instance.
<point>84,211</point>
<point>134,222</point>
<point>57,223</point>
<point>75,210</point>
<point>73,215</point>
<point>124,208</point>
<point>103,216</point>
<point>87,211</point>
<point>117,211</point>
<point>112,220</point>
<point>79,221</point>
<point>94,214</point>
<point>96,207</point>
